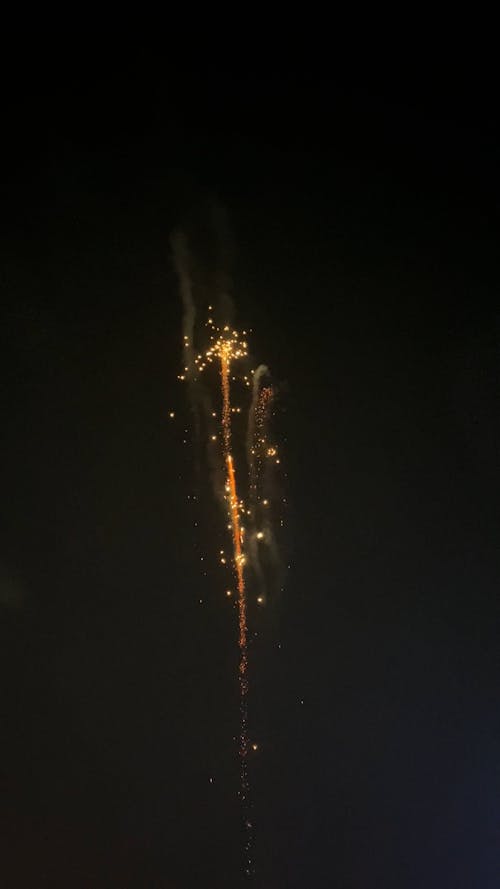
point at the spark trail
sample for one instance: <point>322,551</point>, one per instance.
<point>226,349</point>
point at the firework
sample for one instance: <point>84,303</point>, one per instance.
<point>244,459</point>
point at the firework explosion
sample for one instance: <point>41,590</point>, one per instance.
<point>243,458</point>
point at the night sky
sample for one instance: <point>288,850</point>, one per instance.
<point>364,240</point>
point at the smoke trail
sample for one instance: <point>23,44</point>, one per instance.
<point>182,267</point>
<point>255,439</point>
<point>261,372</point>
<point>264,555</point>
<point>199,395</point>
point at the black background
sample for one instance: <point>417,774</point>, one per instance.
<point>364,223</point>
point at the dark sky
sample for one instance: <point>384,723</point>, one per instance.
<point>364,224</point>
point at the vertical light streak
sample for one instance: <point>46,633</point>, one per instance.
<point>239,562</point>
